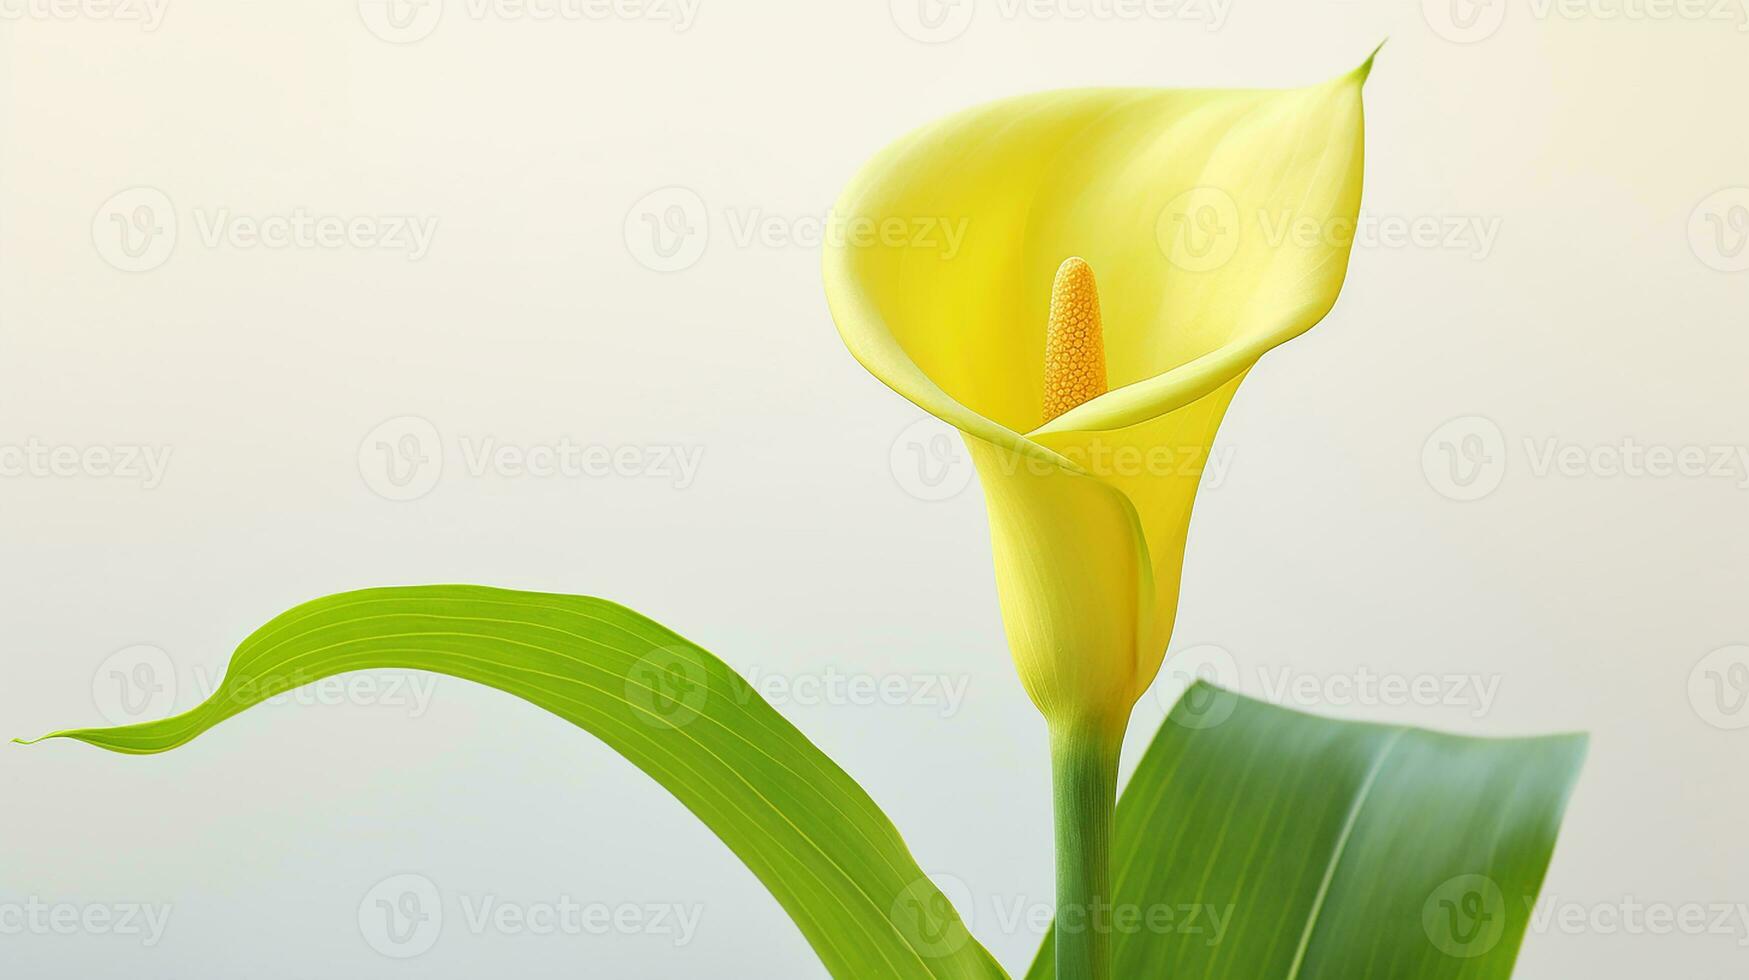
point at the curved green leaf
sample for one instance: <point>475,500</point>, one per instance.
<point>809,832</point>
<point>1259,843</point>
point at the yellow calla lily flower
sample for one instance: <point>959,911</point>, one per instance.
<point>1183,233</point>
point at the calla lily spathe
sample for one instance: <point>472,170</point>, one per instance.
<point>1218,224</point>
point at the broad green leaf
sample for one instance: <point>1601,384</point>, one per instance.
<point>809,832</point>
<point>1259,843</point>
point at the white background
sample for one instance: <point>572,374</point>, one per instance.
<point>1601,312</point>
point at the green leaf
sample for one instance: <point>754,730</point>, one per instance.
<point>809,832</point>
<point>1259,843</point>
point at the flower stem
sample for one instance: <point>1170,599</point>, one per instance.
<point>1084,785</point>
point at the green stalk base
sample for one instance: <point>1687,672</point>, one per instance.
<point>1084,786</point>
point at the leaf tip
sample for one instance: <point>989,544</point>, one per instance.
<point>1582,741</point>
<point>72,733</point>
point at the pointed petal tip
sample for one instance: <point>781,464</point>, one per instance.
<point>1365,69</point>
